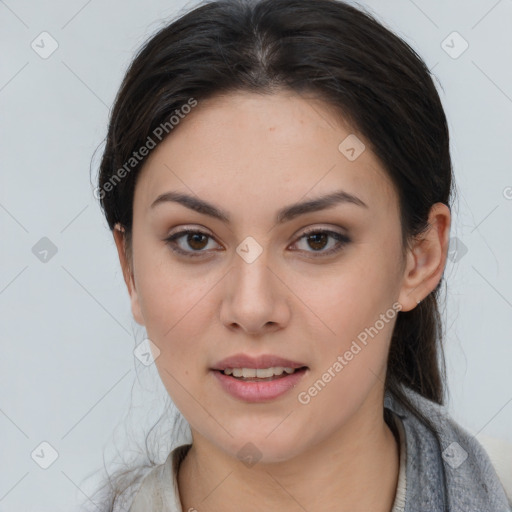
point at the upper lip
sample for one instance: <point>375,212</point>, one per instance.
<point>262,361</point>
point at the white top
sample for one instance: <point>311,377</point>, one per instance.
<point>156,494</point>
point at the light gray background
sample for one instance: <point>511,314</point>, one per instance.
<point>68,373</point>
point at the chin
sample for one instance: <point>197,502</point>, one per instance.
<point>260,450</point>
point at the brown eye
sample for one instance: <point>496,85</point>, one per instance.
<point>318,239</point>
<point>194,241</point>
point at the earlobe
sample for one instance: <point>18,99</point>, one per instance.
<point>126,266</point>
<point>426,259</point>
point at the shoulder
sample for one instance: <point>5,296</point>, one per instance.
<point>498,451</point>
<point>125,499</point>
<point>149,494</point>
<point>158,491</point>
<point>465,458</point>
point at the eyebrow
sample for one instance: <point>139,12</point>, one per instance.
<point>284,215</point>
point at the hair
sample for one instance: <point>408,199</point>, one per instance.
<point>340,54</point>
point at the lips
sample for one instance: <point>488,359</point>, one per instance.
<point>259,391</point>
<point>262,361</point>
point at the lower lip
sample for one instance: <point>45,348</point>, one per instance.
<point>252,391</point>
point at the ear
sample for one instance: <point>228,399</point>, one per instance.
<point>126,265</point>
<point>426,258</point>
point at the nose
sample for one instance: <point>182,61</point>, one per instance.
<point>255,299</point>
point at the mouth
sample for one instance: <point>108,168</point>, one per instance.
<point>261,374</point>
<point>244,384</point>
<point>258,378</point>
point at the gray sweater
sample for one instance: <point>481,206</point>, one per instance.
<point>447,470</point>
<point>443,471</point>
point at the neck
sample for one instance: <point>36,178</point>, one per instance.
<point>354,469</point>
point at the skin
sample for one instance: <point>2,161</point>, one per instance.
<point>251,155</point>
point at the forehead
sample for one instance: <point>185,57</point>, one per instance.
<point>278,147</point>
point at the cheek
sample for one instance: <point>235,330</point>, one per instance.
<point>351,310</point>
<point>165,291</point>
<point>176,303</point>
<point>177,313</point>
<point>174,309</point>
<point>352,295</point>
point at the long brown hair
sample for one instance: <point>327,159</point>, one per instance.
<point>340,54</point>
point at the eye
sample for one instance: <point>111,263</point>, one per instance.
<point>318,239</point>
<point>195,239</point>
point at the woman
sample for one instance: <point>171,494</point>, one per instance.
<point>278,181</point>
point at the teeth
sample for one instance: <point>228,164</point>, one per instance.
<point>262,373</point>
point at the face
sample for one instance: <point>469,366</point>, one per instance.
<point>308,285</point>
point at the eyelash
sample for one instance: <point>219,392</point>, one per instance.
<point>341,238</point>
